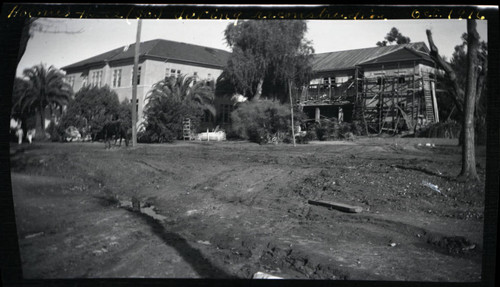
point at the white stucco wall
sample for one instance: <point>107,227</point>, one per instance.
<point>203,73</point>
<point>152,71</point>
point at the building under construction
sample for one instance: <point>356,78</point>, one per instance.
<point>389,88</point>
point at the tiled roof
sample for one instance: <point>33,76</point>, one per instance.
<point>346,60</point>
<point>163,49</point>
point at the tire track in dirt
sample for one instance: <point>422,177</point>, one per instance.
<point>248,225</point>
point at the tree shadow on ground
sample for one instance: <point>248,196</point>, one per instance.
<point>192,256</point>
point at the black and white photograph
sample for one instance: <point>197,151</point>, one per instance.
<point>251,148</point>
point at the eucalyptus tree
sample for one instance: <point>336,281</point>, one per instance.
<point>466,87</point>
<point>394,36</point>
<point>266,55</point>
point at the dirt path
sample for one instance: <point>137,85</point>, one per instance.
<point>232,209</point>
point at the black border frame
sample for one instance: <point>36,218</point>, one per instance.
<point>12,19</point>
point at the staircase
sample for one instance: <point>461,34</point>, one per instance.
<point>429,106</point>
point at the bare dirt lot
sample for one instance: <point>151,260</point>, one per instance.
<point>230,209</point>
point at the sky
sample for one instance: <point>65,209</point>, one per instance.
<point>73,40</point>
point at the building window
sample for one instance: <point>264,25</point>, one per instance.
<point>138,75</point>
<point>172,73</point>
<point>209,80</point>
<point>96,79</point>
<point>225,113</point>
<point>380,81</point>
<point>341,80</point>
<point>167,73</point>
<point>195,77</point>
<point>71,81</point>
<point>117,78</point>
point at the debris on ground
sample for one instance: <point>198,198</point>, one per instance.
<point>33,235</point>
<point>431,186</point>
<point>262,275</point>
<point>337,206</point>
<point>247,210</point>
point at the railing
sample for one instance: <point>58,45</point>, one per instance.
<point>325,93</point>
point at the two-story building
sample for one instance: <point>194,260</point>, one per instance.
<point>387,85</point>
<point>158,59</point>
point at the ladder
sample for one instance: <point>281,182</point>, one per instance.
<point>186,129</point>
<point>429,105</point>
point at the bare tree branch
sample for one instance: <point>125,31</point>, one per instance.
<point>457,91</point>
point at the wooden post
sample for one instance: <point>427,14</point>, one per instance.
<point>434,102</point>
<point>413,101</point>
<point>330,88</point>
<point>291,109</point>
<point>134,83</point>
<point>393,94</point>
<point>337,205</point>
<point>419,103</point>
<point>381,105</point>
<point>363,104</point>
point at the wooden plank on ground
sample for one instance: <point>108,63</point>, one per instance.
<point>337,206</point>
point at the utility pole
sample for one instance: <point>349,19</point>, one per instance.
<point>134,83</point>
<point>291,109</point>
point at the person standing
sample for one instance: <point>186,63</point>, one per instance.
<point>19,134</point>
<point>30,134</point>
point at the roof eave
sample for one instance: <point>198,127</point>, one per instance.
<point>186,61</point>
<point>99,63</point>
<point>141,58</point>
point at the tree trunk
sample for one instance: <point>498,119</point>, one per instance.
<point>258,93</point>
<point>40,134</point>
<point>291,109</point>
<point>468,148</point>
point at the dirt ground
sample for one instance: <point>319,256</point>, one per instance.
<point>231,209</point>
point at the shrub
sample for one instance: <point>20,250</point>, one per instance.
<point>170,102</point>
<point>164,120</point>
<point>92,108</point>
<point>449,129</point>
<point>311,132</point>
<point>328,129</point>
<point>56,132</point>
<point>263,121</point>
<point>358,128</point>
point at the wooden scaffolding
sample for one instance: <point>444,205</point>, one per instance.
<point>395,103</point>
<point>384,103</point>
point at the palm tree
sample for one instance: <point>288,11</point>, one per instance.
<point>172,100</point>
<point>45,88</point>
<point>184,89</point>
